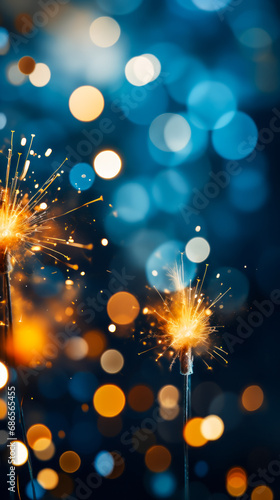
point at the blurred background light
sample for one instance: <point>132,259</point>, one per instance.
<point>170,191</point>
<point>197,250</point>
<point>143,69</point>
<point>26,65</point>
<point>140,398</point>
<point>211,5</point>
<point>40,76</point>
<point>112,361</point>
<point>86,103</point>
<point>48,479</point>
<point>104,463</point>
<point>109,400</point>
<point>104,31</point>
<point>123,308</point>
<point>249,190</point>
<point>158,458</point>
<point>163,484</point>
<point>168,396</point>
<point>131,201</point>
<point>82,176</point>
<point>107,164</point>
<point>238,138</point>
<point>19,456</point>
<point>252,398</point>
<point>193,433</point>
<point>236,482</point>
<point>212,427</point>
<point>170,132</point>
<point>119,7</point>
<point>208,102</point>
<point>4,375</point>
<point>69,461</point>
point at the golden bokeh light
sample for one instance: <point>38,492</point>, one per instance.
<point>168,396</point>
<point>212,427</point>
<point>39,437</point>
<point>123,308</point>
<point>262,493</point>
<point>30,338</point>
<point>3,409</point>
<point>109,400</point>
<point>140,398</point>
<point>19,453</point>
<point>96,342</point>
<point>104,31</point>
<point>158,458</point>
<point>86,103</point>
<point>169,413</point>
<point>40,76</point>
<point>48,479</point>
<point>76,348</point>
<point>4,375</point>
<point>236,481</point>
<point>47,452</point>
<point>69,461</point>
<point>192,433</point>
<point>26,65</point>
<point>107,164</point>
<point>112,361</point>
<point>252,398</point>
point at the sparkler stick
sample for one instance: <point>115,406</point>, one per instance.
<point>25,225</point>
<point>184,328</point>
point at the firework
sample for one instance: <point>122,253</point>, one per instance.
<point>184,328</point>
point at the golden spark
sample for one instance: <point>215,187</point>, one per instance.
<point>183,321</point>
<point>25,222</point>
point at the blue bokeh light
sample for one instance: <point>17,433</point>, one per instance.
<point>131,201</point>
<point>4,37</point>
<point>163,485</point>
<point>162,260</point>
<point>82,386</point>
<point>201,468</point>
<point>170,191</point>
<point>104,463</point>
<point>39,491</point>
<point>82,176</point>
<point>237,139</point>
<point>208,102</point>
<point>211,5</point>
<point>249,191</point>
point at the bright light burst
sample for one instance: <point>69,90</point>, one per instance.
<point>183,321</point>
<point>24,221</point>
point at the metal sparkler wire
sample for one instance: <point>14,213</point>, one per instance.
<point>186,369</point>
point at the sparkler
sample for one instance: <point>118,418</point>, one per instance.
<point>184,328</point>
<point>26,226</point>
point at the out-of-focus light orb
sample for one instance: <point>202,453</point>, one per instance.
<point>168,396</point>
<point>252,398</point>
<point>112,328</point>
<point>112,361</point>
<point>104,463</point>
<point>255,38</point>
<point>262,493</point>
<point>192,433</point>
<point>104,242</point>
<point>4,41</point>
<point>119,7</point>
<point>212,427</point>
<point>107,164</point>
<point>170,191</point>
<point>104,31</point>
<point>40,76</point>
<point>109,400</point>
<point>76,348</point>
<point>46,453</point>
<point>209,101</point>
<point>249,190</point>
<point>96,342</point>
<point>3,409</point>
<point>170,132</point>
<point>3,121</point>
<point>82,176</point>
<point>82,386</point>
<point>26,65</point>
<point>48,479</point>
<point>19,453</point>
<point>169,413</point>
<point>123,308</point>
<point>132,202</point>
<point>143,69</point>
<point>162,260</point>
<point>211,5</point>
<point>140,398</point>
<point>237,139</point>
<point>158,458</point>
<point>69,461</point>
<point>236,482</point>
<point>201,468</point>
<point>39,437</point>
<point>163,484</point>
<point>14,76</point>
<point>4,375</point>
<point>34,485</point>
<point>197,249</point>
<point>86,103</point>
